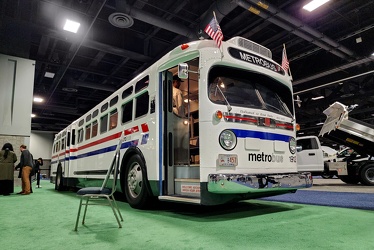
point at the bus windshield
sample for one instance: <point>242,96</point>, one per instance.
<point>241,88</point>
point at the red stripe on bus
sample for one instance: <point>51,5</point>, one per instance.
<point>132,130</point>
<point>241,118</point>
<point>108,138</point>
<point>145,127</point>
<point>284,125</point>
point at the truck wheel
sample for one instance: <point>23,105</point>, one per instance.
<point>349,179</point>
<point>367,175</point>
<point>135,183</point>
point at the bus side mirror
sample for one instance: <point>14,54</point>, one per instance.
<point>183,70</point>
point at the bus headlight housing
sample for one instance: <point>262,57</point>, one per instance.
<point>292,145</point>
<point>227,139</point>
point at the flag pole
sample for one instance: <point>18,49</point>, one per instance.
<point>289,68</point>
<point>221,50</point>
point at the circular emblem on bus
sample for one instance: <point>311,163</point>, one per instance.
<point>292,145</point>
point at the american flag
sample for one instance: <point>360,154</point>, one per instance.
<point>214,31</point>
<point>285,63</point>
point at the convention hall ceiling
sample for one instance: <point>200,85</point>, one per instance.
<point>330,49</point>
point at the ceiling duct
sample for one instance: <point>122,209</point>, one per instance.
<point>95,86</point>
<point>121,20</point>
<point>123,7</point>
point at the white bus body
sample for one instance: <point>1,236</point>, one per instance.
<point>237,140</point>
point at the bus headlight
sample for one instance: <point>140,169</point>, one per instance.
<point>292,145</point>
<point>227,140</point>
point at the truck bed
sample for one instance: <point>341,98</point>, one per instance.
<point>342,129</point>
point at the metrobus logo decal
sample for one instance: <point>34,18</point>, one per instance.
<point>255,59</point>
<point>259,121</point>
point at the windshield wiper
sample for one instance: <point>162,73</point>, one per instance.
<point>224,97</point>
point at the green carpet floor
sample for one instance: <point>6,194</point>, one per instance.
<point>46,219</point>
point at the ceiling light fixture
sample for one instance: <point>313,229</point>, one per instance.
<point>318,97</point>
<point>71,26</point>
<point>314,5</point>
<point>38,99</point>
<point>49,74</point>
<point>33,115</point>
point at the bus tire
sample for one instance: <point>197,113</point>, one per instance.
<point>367,175</point>
<point>59,186</point>
<point>135,183</point>
<point>349,179</point>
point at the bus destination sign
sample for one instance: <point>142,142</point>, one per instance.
<point>255,59</point>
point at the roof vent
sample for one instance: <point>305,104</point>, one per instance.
<point>247,44</point>
<point>121,20</point>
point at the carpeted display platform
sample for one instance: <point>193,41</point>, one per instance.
<point>46,219</point>
<point>323,198</point>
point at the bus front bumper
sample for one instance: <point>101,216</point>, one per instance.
<point>245,183</point>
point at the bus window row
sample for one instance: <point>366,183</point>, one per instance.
<point>108,121</point>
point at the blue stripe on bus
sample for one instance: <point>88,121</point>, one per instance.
<point>260,135</point>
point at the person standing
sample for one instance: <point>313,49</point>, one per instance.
<point>178,107</point>
<point>7,160</point>
<point>38,163</point>
<point>26,165</point>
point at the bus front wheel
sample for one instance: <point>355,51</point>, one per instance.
<point>135,183</point>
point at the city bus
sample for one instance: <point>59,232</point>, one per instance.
<point>235,140</point>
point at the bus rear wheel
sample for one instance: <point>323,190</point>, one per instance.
<point>135,186</point>
<point>59,186</point>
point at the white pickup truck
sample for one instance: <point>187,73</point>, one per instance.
<point>310,158</point>
<point>347,131</point>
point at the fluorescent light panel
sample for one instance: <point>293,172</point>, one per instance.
<point>71,26</point>
<point>38,99</point>
<point>318,97</point>
<point>314,5</point>
<point>49,74</point>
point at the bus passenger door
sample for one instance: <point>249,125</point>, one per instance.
<point>176,136</point>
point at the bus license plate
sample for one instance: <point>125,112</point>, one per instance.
<point>228,160</point>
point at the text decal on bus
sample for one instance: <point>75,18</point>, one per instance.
<point>255,59</point>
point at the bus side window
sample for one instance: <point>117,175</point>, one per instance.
<point>94,128</point>
<point>127,112</point>
<point>142,84</point>
<point>113,119</point>
<point>104,124</point>
<point>88,132</point>
<point>68,140</point>
<point>80,135</point>
<point>142,105</point>
<point>73,137</point>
